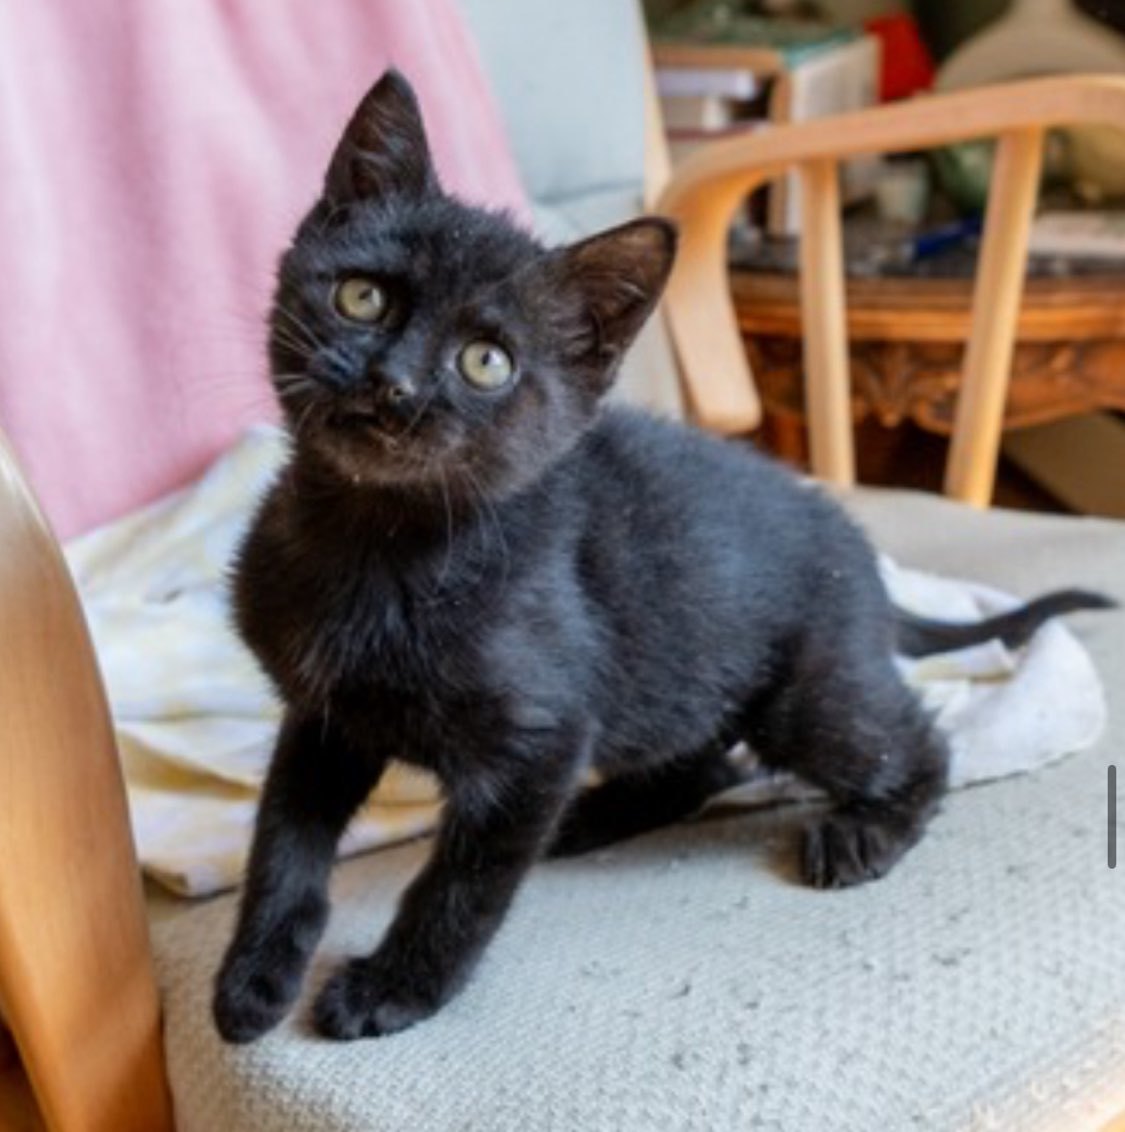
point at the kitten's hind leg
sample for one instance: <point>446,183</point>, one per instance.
<point>315,784</point>
<point>854,729</point>
<point>632,804</point>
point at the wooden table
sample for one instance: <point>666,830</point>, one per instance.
<point>907,337</point>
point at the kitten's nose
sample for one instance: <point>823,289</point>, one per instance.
<point>395,392</point>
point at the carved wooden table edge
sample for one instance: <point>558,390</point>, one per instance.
<point>907,339</point>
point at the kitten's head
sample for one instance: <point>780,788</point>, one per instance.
<point>415,340</point>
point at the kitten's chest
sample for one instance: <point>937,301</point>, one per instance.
<point>343,626</point>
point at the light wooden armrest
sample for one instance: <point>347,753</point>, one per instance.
<point>76,980</point>
<point>705,191</point>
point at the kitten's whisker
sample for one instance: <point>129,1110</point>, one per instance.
<point>448,526</point>
<point>299,323</point>
<point>294,393</point>
<point>285,338</point>
<point>303,419</point>
<point>285,382</point>
<point>429,400</point>
<point>295,319</point>
<point>290,396</point>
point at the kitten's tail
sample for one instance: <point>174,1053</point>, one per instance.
<point>919,636</point>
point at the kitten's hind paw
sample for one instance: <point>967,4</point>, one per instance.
<point>845,848</point>
<point>360,1001</point>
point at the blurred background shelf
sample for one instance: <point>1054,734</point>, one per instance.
<point>910,228</point>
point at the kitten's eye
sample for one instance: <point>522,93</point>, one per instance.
<point>485,365</point>
<point>360,299</point>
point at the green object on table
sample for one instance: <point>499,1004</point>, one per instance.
<point>964,171</point>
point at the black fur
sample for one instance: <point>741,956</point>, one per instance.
<point>919,636</point>
<point>515,588</point>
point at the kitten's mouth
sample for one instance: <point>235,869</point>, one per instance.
<point>367,440</point>
<point>355,418</point>
<point>366,420</point>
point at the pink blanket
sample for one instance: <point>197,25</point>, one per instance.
<point>154,156</point>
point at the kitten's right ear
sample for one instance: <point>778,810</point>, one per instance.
<point>617,277</point>
<point>383,151</point>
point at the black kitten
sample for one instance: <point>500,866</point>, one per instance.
<point>470,565</point>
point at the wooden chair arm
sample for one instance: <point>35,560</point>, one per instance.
<point>705,191</point>
<point>77,987</point>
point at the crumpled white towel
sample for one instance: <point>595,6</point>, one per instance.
<point>195,718</point>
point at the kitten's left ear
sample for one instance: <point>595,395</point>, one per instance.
<point>618,277</point>
<point>383,151</point>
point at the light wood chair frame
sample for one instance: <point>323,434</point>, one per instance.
<point>77,988</point>
<point>80,1040</point>
<point>705,192</point>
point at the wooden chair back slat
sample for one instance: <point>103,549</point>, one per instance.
<point>824,324</point>
<point>970,473</point>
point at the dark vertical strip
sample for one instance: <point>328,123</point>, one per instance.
<point>1111,802</point>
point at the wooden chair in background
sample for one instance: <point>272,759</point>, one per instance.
<point>710,186</point>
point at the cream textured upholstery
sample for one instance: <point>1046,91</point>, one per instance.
<point>684,981</point>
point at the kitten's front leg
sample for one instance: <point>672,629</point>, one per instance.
<point>490,835</point>
<point>315,784</point>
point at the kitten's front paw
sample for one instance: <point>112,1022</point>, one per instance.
<point>362,1000</point>
<point>259,981</point>
<point>250,998</point>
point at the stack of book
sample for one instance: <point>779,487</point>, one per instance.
<point>703,104</point>
<point>720,74</point>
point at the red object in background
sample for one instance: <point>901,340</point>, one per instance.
<point>907,66</point>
